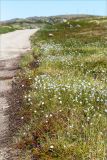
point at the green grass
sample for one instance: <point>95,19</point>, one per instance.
<point>6,29</point>
<point>64,103</point>
<point>21,24</point>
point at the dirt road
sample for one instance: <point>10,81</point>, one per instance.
<point>12,46</point>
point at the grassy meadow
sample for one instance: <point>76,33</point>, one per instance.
<point>63,79</point>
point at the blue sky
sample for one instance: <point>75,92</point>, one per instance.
<point>27,8</point>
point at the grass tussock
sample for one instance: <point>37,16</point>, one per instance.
<point>65,106</point>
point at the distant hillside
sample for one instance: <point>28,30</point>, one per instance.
<point>34,22</point>
<point>42,19</point>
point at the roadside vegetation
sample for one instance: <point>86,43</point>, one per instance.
<point>13,27</point>
<point>19,25</point>
<point>6,29</point>
<point>63,109</point>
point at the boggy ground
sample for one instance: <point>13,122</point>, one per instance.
<point>65,104</point>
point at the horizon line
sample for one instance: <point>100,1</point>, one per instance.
<point>82,14</point>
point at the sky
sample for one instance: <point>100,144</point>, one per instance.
<point>27,8</point>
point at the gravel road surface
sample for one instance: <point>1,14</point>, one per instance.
<point>12,46</point>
